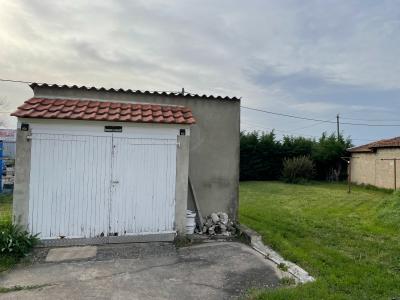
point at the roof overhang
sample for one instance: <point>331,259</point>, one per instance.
<point>75,109</point>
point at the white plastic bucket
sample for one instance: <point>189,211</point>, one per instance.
<point>190,221</point>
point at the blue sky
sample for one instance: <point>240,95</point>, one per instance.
<point>308,58</point>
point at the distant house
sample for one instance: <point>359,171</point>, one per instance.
<point>376,163</point>
<point>8,137</point>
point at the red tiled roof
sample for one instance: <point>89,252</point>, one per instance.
<point>104,111</point>
<point>387,143</point>
<point>394,142</point>
<point>362,148</point>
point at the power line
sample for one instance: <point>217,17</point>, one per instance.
<point>319,120</point>
<point>309,126</point>
<point>295,133</point>
<point>369,120</point>
<point>286,115</point>
<point>279,130</point>
<point>266,111</point>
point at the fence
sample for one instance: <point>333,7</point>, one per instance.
<point>7,164</point>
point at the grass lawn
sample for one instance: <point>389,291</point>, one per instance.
<point>6,261</point>
<point>349,242</point>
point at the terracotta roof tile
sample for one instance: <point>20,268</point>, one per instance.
<point>178,114</point>
<point>147,112</point>
<point>33,101</point>
<point>61,102</point>
<point>29,106</point>
<point>61,115</point>
<point>136,112</point>
<point>157,113</point>
<point>80,109</point>
<point>89,116</point>
<point>56,107</point>
<point>394,142</point>
<point>125,111</point>
<point>114,111</point>
<point>387,143</point>
<point>167,114</point>
<point>137,118</point>
<point>82,103</point>
<point>52,115</point>
<point>38,114</point>
<point>125,117</point>
<point>65,108</point>
<point>46,108</point>
<point>99,110</point>
<point>169,119</point>
<point>67,103</point>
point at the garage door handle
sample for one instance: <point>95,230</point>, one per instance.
<point>114,182</point>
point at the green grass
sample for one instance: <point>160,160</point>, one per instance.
<point>349,242</point>
<point>6,261</point>
<point>5,209</point>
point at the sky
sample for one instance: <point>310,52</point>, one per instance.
<point>314,59</point>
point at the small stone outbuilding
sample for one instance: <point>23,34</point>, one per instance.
<point>376,163</point>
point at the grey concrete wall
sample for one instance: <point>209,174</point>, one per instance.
<point>369,168</point>
<point>181,187</point>
<point>214,142</point>
<point>21,182</point>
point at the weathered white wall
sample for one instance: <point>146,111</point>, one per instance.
<point>369,168</point>
<point>67,186</point>
<point>214,142</point>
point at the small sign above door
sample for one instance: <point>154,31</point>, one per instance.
<point>112,128</point>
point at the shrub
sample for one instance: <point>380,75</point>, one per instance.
<point>16,242</point>
<point>298,169</point>
<point>262,154</point>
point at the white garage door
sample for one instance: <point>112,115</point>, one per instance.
<point>84,185</point>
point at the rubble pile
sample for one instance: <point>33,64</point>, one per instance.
<point>218,224</point>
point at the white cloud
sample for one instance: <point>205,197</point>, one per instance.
<point>207,47</point>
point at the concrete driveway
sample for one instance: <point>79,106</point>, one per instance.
<point>215,270</point>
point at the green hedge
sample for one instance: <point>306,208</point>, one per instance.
<point>262,155</point>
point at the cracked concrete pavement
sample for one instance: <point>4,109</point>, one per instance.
<point>217,270</point>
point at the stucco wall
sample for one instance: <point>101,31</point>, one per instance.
<point>22,178</point>
<point>214,142</point>
<point>369,168</point>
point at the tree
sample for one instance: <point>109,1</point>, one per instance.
<point>261,155</point>
<point>327,153</point>
<point>296,146</point>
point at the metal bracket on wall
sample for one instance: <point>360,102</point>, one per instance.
<point>196,204</point>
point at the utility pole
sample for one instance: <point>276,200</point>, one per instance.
<point>337,126</point>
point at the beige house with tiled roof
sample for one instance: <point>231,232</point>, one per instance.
<point>376,163</point>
